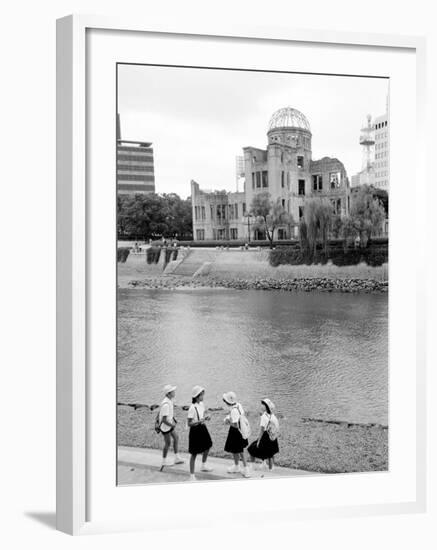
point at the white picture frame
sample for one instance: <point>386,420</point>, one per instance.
<point>73,261</point>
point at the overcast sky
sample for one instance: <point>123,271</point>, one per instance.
<point>200,119</point>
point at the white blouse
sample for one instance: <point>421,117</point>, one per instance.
<point>196,412</point>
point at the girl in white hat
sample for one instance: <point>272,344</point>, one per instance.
<point>199,440</point>
<point>266,446</point>
<point>239,430</point>
<point>166,424</point>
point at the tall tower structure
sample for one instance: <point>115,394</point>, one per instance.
<point>239,172</point>
<point>367,140</point>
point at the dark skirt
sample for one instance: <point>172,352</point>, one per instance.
<point>235,442</point>
<point>266,448</point>
<point>199,439</point>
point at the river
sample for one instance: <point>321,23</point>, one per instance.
<point>317,355</point>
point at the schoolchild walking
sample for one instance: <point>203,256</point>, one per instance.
<point>239,431</point>
<point>166,425</point>
<point>266,446</point>
<point>199,440</point>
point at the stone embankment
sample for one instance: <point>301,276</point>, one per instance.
<point>307,284</point>
<point>346,424</point>
<point>136,406</point>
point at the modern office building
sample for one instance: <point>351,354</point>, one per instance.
<point>286,170</point>
<point>135,168</point>
<point>382,152</point>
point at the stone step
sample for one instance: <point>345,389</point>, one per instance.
<point>194,261</point>
<point>187,269</point>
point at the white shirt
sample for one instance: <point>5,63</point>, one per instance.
<point>236,411</point>
<point>266,418</point>
<point>196,412</point>
<point>166,410</point>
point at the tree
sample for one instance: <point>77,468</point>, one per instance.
<point>180,217</point>
<point>318,216</point>
<point>367,213</point>
<point>348,232</point>
<point>382,195</point>
<point>336,226</point>
<point>269,215</point>
<point>154,216</point>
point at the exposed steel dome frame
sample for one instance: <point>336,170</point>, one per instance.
<point>288,117</point>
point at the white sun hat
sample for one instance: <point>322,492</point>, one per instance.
<point>269,403</point>
<point>197,390</point>
<point>168,388</point>
<point>230,398</point>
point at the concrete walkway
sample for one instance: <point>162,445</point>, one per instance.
<point>139,466</point>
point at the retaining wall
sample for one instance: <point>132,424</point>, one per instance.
<point>251,264</point>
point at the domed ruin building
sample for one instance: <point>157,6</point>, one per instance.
<point>286,171</point>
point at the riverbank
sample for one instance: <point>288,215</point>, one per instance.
<point>314,445</point>
<point>306,284</point>
<point>247,270</point>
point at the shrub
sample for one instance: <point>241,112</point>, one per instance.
<point>349,257</point>
<point>373,255</point>
<point>236,243</point>
<point>376,256</point>
<point>283,255</point>
<point>320,257</point>
<point>122,254</point>
<point>168,255</point>
<point>378,240</point>
<point>153,254</point>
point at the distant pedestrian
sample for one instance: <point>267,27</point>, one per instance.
<point>166,424</point>
<point>239,431</point>
<point>266,446</point>
<point>199,440</point>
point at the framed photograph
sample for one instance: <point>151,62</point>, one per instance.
<point>237,311</point>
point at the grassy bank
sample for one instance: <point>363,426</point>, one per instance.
<point>306,444</point>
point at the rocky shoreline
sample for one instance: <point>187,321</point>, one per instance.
<point>308,284</point>
<point>312,444</point>
<point>154,406</point>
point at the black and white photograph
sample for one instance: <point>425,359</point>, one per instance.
<point>252,274</point>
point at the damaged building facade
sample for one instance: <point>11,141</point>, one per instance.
<point>286,170</point>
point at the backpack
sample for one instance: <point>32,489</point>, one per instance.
<point>243,425</point>
<point>273,429</point>
<point>158,422</point>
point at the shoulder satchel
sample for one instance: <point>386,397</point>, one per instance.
<point>158,421</point>
<point>243,425</point>
<point>272,429</point>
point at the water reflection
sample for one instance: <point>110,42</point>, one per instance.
<point>316,354</point>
